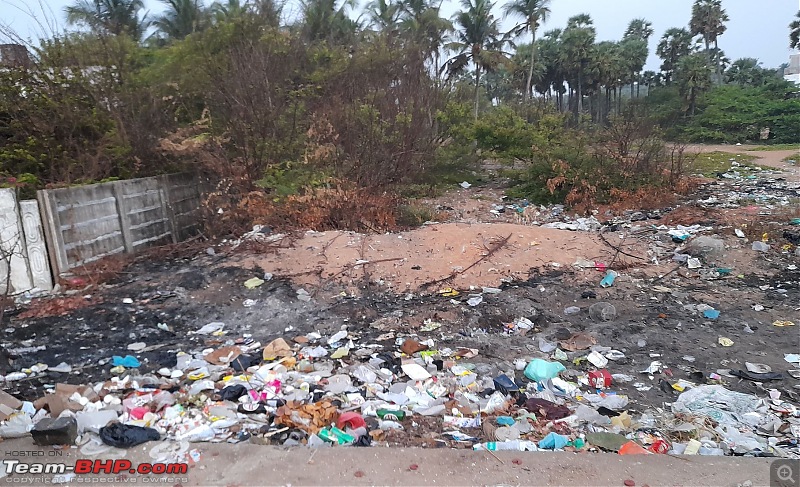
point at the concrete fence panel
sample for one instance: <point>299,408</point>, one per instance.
<point>23,257</point>
<point>86,223</point>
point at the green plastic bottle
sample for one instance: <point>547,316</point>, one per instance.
<point>391,414</point>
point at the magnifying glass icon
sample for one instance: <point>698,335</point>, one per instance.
<point>785,473</point>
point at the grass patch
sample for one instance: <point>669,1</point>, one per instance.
<point>709,164</point>
<point>440,179</point>
<point>774,147</point>
<point>793,159</point>
<point>415,214</point>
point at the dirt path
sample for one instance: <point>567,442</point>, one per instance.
<point>771,158</point>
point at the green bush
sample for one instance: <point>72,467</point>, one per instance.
<point>730,114</point>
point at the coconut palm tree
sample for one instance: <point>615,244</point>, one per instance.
<point>109,16</point>
<point>794,32</point>
<point>383,14</point>
<point>708,20</point>
<point>534,13</point>
<point>578,45</point>
<point>181,18</point>
<point>324,21</point>
<point>421,22</point>
<point>478,41</point>
<point>694,77</point>
<point>675,44</point>
<point>231,9</point>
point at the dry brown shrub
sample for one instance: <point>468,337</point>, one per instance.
<point>345,208</point>
<point>582,197</point>
<point>641,198</point>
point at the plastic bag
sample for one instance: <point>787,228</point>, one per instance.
<point>233,393</point>
<point>125,436</point>
<point>539,370</point>
<point>553,441</point>
<point>16,426</point>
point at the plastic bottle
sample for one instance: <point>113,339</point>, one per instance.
<point>391,414</point>
<point>516,445</point>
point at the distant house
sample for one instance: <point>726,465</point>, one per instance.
<point>792,73</point>
<point>14,55</point>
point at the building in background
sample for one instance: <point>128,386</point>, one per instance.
<point>792,73</point>
<point>13,55</point>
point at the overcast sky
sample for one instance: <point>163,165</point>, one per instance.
<point>756,29</point>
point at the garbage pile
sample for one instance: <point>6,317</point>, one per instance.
<point>342,390</point>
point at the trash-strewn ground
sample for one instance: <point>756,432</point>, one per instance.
<point>705,297</point>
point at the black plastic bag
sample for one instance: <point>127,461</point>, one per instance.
<point>125,435</point>
<point>242,362</point>
<point>757,377</point>
<point>233,393</point>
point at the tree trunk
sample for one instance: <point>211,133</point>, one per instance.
<point>638,85</point>
<point>708,50</point>
<point>579,94</point>
<point>633,80</point>
<point>528,94</point>
<point>477,85</point>
<point>718,69</point>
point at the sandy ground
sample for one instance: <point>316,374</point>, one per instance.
<point>246,465</point>
<point>403,262</point>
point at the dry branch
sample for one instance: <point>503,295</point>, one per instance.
<point>499,244</point>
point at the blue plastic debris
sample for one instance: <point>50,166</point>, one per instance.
<point>129,361</point>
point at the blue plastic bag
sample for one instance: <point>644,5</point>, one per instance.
<point>539,370</point>
<point>129,361</point>
<point>553,441</point>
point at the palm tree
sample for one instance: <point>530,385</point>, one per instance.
<point>639,29</point>
<point>675,44</point>
<point>694,77</point>
<point>109,16</point>
<point>383,14</point>
<point>708,20</point>
<point>324,21</point>
<point>231,9</point>
<point>478,41</point>
<point>634,52</point>
<point>553,76</point>
<point>606,59</point>
<point>182,17</point>
<point>745,71</point>
<point>649,78</point>
<point>794,32</point>
<point>421,22</point>
<point>578,43</point>
<point>534,13</point>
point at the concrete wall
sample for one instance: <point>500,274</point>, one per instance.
<point>22,249</point>
<point>86,223</point>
